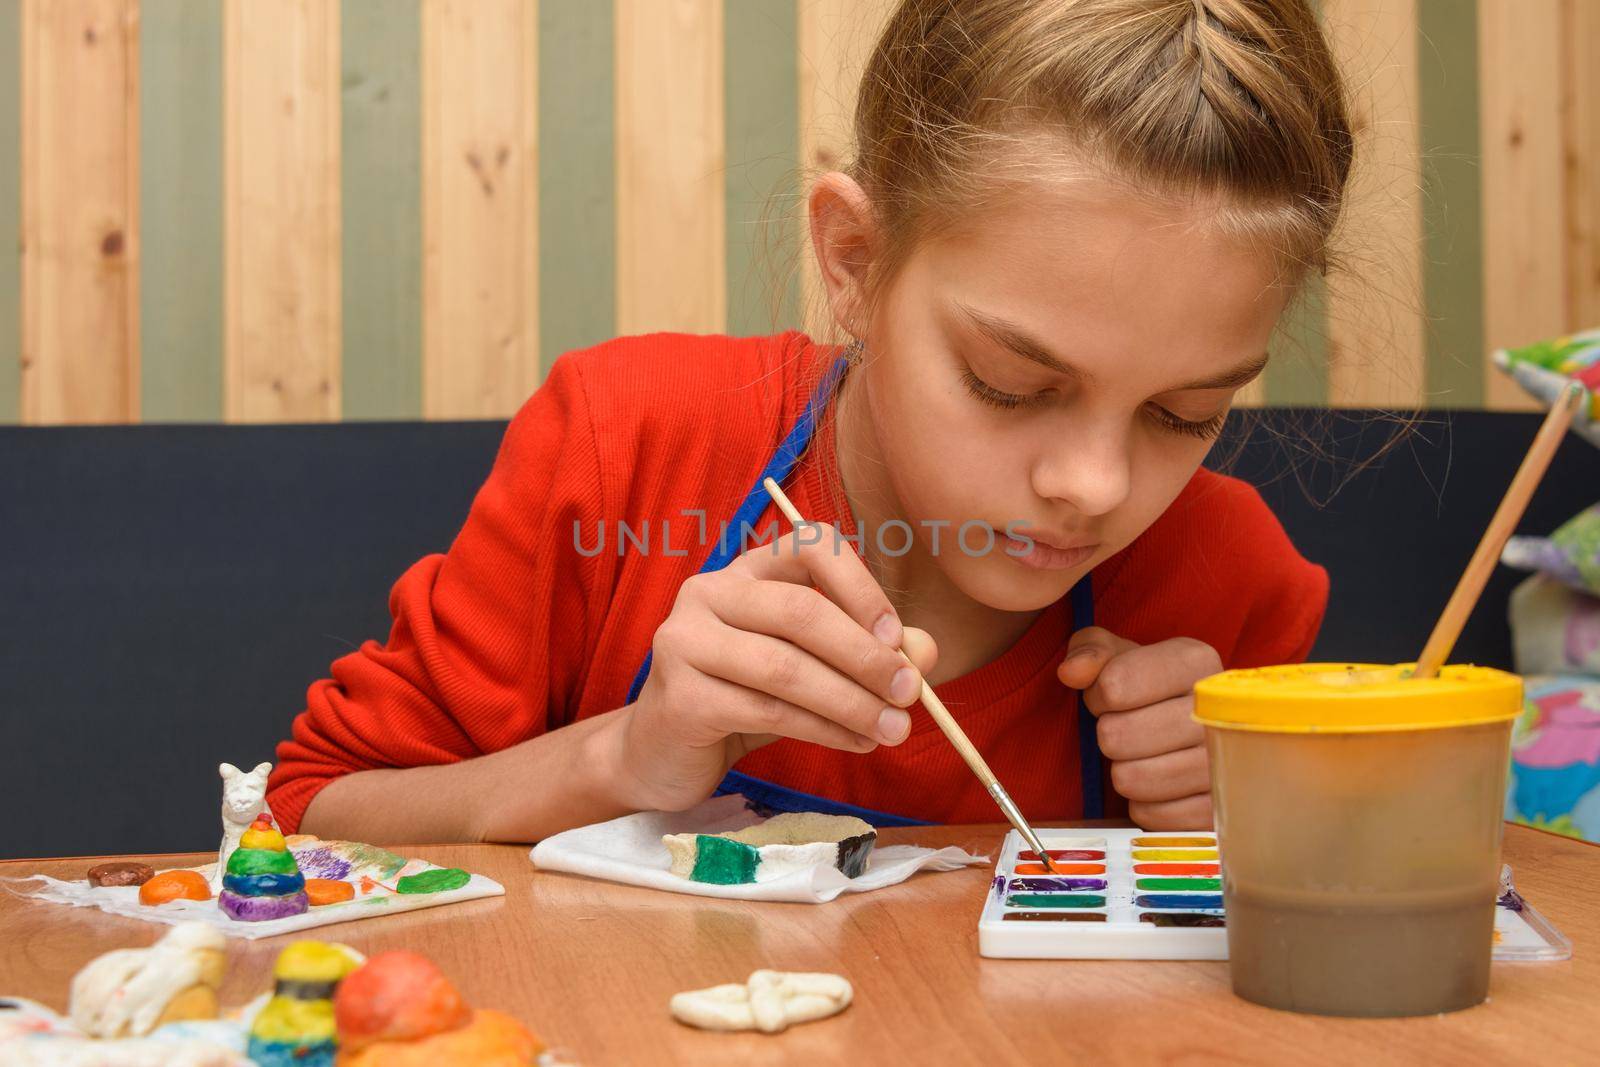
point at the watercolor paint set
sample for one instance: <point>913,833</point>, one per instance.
<point>1137,895</point>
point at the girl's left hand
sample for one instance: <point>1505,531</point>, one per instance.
<point>1143,697</point>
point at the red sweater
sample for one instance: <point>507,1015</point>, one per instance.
<point>514,631</point>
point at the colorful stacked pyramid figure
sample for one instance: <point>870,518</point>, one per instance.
<point>263,881</point>
<point>296,1028</point>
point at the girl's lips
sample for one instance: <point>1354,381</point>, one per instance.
<point>1045,557</point>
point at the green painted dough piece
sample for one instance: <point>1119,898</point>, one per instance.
<point>723,862</point>
<point>438,881</point>
<point>262,861</point>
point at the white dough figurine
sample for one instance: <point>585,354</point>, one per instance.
<point>244,796</point>
<point>771,1001</point>
<point>130,992</point>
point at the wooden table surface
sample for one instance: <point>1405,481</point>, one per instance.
<point>590,967</point>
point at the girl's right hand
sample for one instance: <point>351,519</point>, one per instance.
<point>755,652</point>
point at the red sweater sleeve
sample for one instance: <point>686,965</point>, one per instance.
<point>490,640</point>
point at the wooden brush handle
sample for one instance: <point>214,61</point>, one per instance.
<point>941,715</point>
<point>952,730</point>
<point>1505,520</point>
<point>935,706</point>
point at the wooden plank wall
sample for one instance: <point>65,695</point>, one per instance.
<point>671,233</point>
<point>281,206</point>
<point>1524,265</point>
<point>836,37</point>
<point>1374,305</point>
<point>480,238</point>
<point>325,209</point>
<point>80,211</point>
<point>1580,109</point>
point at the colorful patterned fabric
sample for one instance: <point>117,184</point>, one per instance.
<point>1555,757</point>
<point>1571,555</point>
<point>1544,368</point>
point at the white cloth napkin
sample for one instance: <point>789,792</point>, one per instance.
<point>629,850</point>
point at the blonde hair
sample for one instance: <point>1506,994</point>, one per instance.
<point>1238,102</point>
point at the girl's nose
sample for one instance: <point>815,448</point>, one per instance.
<point>1088,468</point>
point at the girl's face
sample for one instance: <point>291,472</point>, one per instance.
<point>1059,370</point>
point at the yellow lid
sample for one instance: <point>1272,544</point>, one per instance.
<point>1338,698</point>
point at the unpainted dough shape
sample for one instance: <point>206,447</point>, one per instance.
<point>771,1001</point>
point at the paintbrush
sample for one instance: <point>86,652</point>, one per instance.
<point>946,721</point>
<point>1500,528</point>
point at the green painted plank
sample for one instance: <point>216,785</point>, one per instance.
<point>577,177</point>
<point>10,210</point>
<point>381,190</point>
<point>762,122</point>
<point>1452,193</point>
<point>180,211</point>
<point>1297,375</point>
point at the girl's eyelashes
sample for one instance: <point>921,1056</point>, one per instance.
<point>1205,429</point>
<point>990,395</point>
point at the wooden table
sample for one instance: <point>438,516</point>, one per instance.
<point>590,967</point>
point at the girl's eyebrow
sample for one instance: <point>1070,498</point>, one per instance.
<point>1243,374</point>
<point>1012,336</point>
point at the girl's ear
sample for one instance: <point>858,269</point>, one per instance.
<point>844,237</point>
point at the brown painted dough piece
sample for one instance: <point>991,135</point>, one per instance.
<point>121,873</point>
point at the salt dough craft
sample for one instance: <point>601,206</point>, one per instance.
<point>130,992</point>
<point>770,1001</point>
<point>784,843</point>
<point>120,873</point>
<point>366,875</point>
<point>399,1010</point>
<point>244,799</point>
<point>330,1007</point>
<point>263,881</point>
<point>296,1027</point>
<point>174,885</point>
<point>324,891</point>
<point>439,880</point>
<point>32,1035</point>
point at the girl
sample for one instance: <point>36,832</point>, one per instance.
<point>1065,241</point>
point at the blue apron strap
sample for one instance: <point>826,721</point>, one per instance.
<point>755,503</point>
<point>778,798</point>
<point>1091,767</point>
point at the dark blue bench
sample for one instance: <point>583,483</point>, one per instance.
<point>167,593</point>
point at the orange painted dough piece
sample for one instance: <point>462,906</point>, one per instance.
<point>322,891</point>
<point>174,885</point>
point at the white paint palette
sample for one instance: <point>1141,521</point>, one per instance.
<point>1137,895</point>
<point>1117,894</point>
